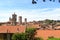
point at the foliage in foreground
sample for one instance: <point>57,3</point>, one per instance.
<point>53,38</point>
<point>19,36</point>
<point>28,35</point>
<point>37,38</point>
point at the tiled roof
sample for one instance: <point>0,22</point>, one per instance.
<point>40,33</point>
<point>14,29</point>
<point>11,29</point>
<point>48,33</point>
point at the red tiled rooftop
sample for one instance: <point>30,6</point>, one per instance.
<point>14,29</point>
<point>40,33</point>
<point>11,29</point>
<point>48,33</point>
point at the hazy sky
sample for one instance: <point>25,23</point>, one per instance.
<point>25,8</point>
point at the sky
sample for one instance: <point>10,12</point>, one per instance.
<point>25,8</point>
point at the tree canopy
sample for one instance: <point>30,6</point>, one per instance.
<point>28,35</point>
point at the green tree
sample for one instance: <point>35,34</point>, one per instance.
<point>28,35</point>
<point>53,39</point>
<point>19,36</point>
<point>37,38</point>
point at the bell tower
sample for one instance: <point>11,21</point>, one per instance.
<point>20,19</point>
<point>25,20</point>
<point>14,19</point>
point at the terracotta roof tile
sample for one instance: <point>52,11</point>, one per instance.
<point>48,33</point>
<point>40,33</point>
<point>11,29</point>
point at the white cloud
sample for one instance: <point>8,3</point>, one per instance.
<point>32,14</point>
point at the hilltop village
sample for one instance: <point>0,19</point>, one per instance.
<point>45,28</point>
<point>42,25</point>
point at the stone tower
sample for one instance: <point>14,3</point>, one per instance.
<point>25,20</point>
<point>10,20</point>
<point>14,19</point>
<point>20,19</point>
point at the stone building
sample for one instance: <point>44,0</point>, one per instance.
<point>14,19</point>
<point>10,20</point>
<point>25,20</point>
<point>20,20</point>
